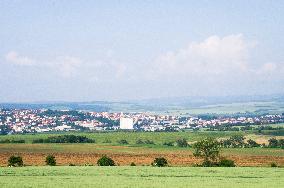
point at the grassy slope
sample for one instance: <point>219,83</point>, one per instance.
<point>141,177</point>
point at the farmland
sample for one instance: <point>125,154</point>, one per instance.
<point>131,137</point>
<point>82,154</point>
<point>140,154</point>
<point>141,177</point>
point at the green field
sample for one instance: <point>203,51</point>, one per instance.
<point>227,108</point>
<point>135,150</point>
<point>131,137</point>
<point>245,177</point>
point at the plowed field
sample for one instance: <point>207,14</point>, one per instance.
<point>81,154</point>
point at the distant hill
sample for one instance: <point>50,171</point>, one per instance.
<point>191,105</point>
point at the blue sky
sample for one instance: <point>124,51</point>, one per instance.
<point>120,50</point>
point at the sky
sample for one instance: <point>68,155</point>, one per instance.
<point>124,50</point>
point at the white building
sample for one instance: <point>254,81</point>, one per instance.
<point>126,123</point>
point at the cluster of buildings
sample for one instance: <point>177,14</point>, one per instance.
<point>32,121</point>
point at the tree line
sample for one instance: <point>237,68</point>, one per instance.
<point>65,139</point>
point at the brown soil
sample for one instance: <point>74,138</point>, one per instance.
<point>179,159</point>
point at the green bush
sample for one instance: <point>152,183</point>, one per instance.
<point>50,160</point>
<point>273,164</point>
<point>160,162</point>
<point>65,139</point>
<point>149,142</point>
<point>15,161</point>
<point>11,141</point>
<point>226,163</point>
<point>139,141</point>
<point>71,164</point>
<point>252,143</point>
<point>132,164</point>
<point>105,161</point>
<point>182,142</point>
<point>122,141</point>
<point>272,143</point>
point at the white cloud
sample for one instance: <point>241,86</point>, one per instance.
<point>214,55</point>
<point>66,66</point>
<point>13,57</point>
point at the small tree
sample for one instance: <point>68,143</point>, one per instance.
<point>182,142</point>
<point>15,161</point>
<point>252,143</point>
<point>160,162</point>
<point>132,164</point>
<point>208,149</point>
<point>50,160</point>
<point>272,142</point>
<point>105,161</point>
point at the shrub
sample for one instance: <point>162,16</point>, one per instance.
<point>273,164</point>
<point>65,139</point>
<point>105,161</point>
<point>122,141</point>
<point>226,163</point>
<point>281,143</point>
<point>132,164</point>
<point>168,143</point>
<point>160,162</point>
<point>15,161</point>
<point>149,142</point>
<point>273,143</point>
<point>139,141</point>
<point>11,141</point>
<point>40,140</point>
<point>252,143</point>
<point>71,164</point>
<point>50,160</point>
<point>182,142</point>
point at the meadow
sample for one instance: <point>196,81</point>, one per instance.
<point>118,177</point>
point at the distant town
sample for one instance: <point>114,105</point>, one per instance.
<point>13,121</point>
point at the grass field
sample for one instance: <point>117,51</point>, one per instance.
<point>118,177</point>
<point>131,137</point>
